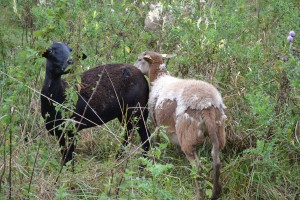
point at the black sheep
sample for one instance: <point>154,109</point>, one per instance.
<point>111,91</point>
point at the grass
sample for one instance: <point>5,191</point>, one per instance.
<point>238,46</point>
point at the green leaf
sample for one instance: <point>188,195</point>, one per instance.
<point>157,152</point>
<point>208,192</point>
<point>38,33</point>
<point>127,49</point>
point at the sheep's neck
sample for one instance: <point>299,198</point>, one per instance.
<point>52,92</point>
<point>156,72</point>
<point>53,87</point>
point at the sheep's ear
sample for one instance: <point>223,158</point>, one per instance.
<point>43,54</point>
<point>46,53</point>
<point>148,58</point>
<point>168,55</point>
<point>83,57</point>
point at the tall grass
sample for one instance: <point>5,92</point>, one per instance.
<point>239,46</point>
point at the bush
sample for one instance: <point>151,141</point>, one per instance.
<point>239,46</point>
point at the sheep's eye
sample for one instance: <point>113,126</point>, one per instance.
<point>70,62</point>
<point>52,50</point>
<point>139,59</point>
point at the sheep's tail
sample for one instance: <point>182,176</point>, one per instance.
<point>214,120</point>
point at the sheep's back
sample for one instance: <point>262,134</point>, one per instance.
<point>194,94</point>
<point>115,80</point>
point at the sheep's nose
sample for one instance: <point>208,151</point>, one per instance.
<point>70,61</point>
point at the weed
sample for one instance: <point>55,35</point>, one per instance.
<point>239,46</point>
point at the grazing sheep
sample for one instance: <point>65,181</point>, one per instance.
<point>191,110</point>
<point>107,92</point>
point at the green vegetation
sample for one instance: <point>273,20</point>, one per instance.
<point>239,46</point>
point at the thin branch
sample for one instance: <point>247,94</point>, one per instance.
<point>35,160</point>
<point>10,153</point>
<point>4,157</point>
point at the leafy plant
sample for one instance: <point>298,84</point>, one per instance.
<point>239,46</point>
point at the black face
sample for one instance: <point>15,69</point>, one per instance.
<point>58,58</point>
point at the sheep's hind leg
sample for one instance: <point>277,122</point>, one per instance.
<point>144,135</point>
<point>142,115</point>
<point>68,150</point>
<point>200,178</point>
<point>127,136</point>
<point>187,134</point>
<point>62,144</point>
<point>192,156</point>
<point>141,128</point>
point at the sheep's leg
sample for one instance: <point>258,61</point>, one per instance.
<point>209,116</point>
<point>192,156</point>
<point>188,136</point>
<point>127,135</point>
<point>67,152</point>
<point>143,132</point>
<point>141,115</point>
<point>143,135</point>
<point>217,165</point>
<point>62,144</point>
<point>216,162</point>
<point>156,138</point>
<point>202,178</point>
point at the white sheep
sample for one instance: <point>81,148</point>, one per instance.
<point>191,110</point>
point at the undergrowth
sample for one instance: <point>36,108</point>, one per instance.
<point>239,46</point>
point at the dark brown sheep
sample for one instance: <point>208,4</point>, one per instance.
<point>111,91</point>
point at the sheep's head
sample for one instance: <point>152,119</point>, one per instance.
<point>146,59</point>
<point>152,64</point>
<point>58,58</point>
